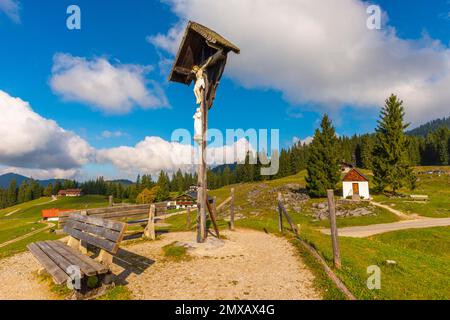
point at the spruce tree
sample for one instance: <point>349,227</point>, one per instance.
<point>391,166</point>
<point>323,163</point>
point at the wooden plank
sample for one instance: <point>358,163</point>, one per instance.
<point>73,258</point>
<point>98,267</point>
<point>212,215</point>
<point>334,231</point>
<point>286,215</point>
<point>109,224</point>
<point>96,230</point>
<point>59,275</point>
<point>62,261</point>
<point>95,241</point>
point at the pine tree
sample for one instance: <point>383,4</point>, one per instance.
<point>391,166</point>
<point>11,197</point>
<point>323,164</point>
<point>164,188</point>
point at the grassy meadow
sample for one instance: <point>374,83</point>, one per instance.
<point>422,255</point>
<point>24,218</point>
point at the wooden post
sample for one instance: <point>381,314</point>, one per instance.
<point>111,201</point>
<point>188,218</point>
<point>202,193</point>
<point>280,214</point>
<point>334,231</point>
<point>212,214</point>
<point>232,210</point>
<point>149,231</point>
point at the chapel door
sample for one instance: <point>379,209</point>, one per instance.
<point>356,189</point>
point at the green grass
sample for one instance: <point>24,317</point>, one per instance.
<point>117,293</point>
<point>422,255</point>
<point>27,218</point>
<point>175,252</point>
<point>20,246</point>
<point>436,187</point>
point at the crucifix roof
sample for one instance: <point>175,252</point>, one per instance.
<point>194,50</point>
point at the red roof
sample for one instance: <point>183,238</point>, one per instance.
<point>53,213</point>
<point>355,175</point>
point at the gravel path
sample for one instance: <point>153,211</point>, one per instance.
<point>19,281</point>
<point>366,231</point>
<point>248,265</point>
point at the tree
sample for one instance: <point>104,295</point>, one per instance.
<point>391,166</point>
<point>147,196</point>
<point>11,196</point>
<point>323,170</point>
<point>164,188</point>
<point>48,191</point>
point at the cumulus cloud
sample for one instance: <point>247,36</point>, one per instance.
<point>114,89</point>
<point>28,140</point>
<point>306,141</point>
<point>34,146</point>
<point>154,154</point>
<point>321,54</point>
<point>43,174</point>
<point>11,8</point>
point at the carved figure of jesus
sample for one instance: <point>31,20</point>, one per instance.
<point>200,80</point>
<point>198,125</point>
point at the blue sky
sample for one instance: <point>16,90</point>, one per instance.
<point>116,32</point>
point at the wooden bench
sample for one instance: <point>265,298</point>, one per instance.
<point>417,197</point>
<point>59,259</point>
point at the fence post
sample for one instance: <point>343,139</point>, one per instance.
<point>149,231</point>
<point>334,231</point>
<point>188,218</point>
<point>111,201</point>
<point>232,210</point>
<point>280,215</point>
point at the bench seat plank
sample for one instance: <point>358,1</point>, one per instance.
<point>87,265</point>
<point>59,276</point>
<point>61,261</point>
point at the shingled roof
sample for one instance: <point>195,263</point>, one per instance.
<point>193,51</point>
<point>355,175</point>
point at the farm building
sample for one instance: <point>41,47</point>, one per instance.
<point>70,193</point>
<point>355,185</point>
<point>188,199</point>
<point>52,214</point>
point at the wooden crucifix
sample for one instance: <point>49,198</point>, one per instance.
<point>201,58</point>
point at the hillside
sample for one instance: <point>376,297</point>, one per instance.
<point>255,208</point>
<point>6,179</point>
<point>428,127</point>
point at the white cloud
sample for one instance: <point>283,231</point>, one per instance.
<point>11,8</point>
<point>306,141</point>
<point>42,174</point>
<point>114,89</point>
<point>321,54</point>
<point>31,141</point>
<point>154,154</point>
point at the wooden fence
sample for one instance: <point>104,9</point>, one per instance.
<point>122,213</point>
<point>329,272</point>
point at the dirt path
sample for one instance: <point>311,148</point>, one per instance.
<point>4,244</point>
<point>248,265</point>
<point>396,212</point>
<point>19,281</point>
<point>366,231</point>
